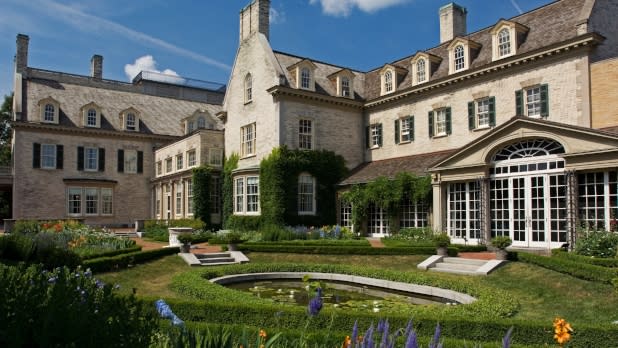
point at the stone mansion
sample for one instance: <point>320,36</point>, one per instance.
<point>516,124</point>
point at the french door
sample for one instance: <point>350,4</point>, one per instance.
<point>530,209</point>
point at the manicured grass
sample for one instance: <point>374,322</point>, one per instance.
<point>543,294</point>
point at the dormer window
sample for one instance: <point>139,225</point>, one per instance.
<point>504,42</point>
<point>130,120</point>
<point>201,122</point>
<point>461,53</point>
<point>388,81</point>
<point>423,65</point>
<point>303,73</point>
<point>49,110</point>
<point>248,88</point>
<point>507,36</point>
<point>190,126</point>
<point>91,115</point>
<point>305,78</point>
<point>345,87</point>
<point>344,83</point>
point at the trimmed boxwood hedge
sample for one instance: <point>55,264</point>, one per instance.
<point>485,320</point>
<point>339,249</point>
<point>603,262</point>
<point>112,253</point>
<point>316,242</point>
<point>105,264</point>
<point>574,268</point>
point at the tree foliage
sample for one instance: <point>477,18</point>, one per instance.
<point>229,165</point>
<point>201,193</point>
<point>6,112</point>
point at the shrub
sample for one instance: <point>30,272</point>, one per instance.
<point>105,264</point>
<point>413,234</point>
<point>64,308</point>
<point>26,227</point>
<point>185,238</point>
<point>603,262</point>
<point>275,233</point>
<point>573,268</point>
<point>597,243</point>
<point>442,240</point>
<point>228,238</point>
<point>501,242</point>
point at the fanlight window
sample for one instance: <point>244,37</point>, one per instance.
<point>529,148</point>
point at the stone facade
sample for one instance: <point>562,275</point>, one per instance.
<point>604,84</point>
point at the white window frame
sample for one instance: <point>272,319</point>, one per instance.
<point>130,161</point>
<point>482,113</point>
<point>305,78</point>
<point>179,161</point>
<point>49,113</point>
<point>247,140</point>
<point>215,157</point>
<point>413,214</point>
<point>178,201</point>
<point>189,188</point>
<point>107,201</point>
<point>48,153</point>
<point>92,117</point>
<point>306,194</point>
<point>247,195</point>
<point>91,159</point>
<point>388,81</point>
<point>440,122</point>
<point>598,205</point>
<point>248,88</point>
<point>377,220</point>
<point>305,134</point>
<point>504,43</point>
<point>190,126</point>
<point>169,165</point>
<point>74,203</point>
<point>459,58</point>
<point>159,168</point>
<point>91,206</point>
<point>130,122</point>
<point>191,158</point>
<point>421,70</point>
<point>201,122</point>
<point>345,215</point>
<point>374,135</point>
<point>405,129</point>
<point>463,210</point>
<point>532,101</point>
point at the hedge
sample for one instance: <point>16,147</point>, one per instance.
<point>105,264</point>
<point>340,249</point>
<point>574,268</point>
<point>112,253</point>
<point>603,262</point>
<point>317,242</point>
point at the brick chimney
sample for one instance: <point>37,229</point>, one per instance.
<point>21,56</point>
<point>452,22</point>
<point>254,18</point>
<point>96,67</point>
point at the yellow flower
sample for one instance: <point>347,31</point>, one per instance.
<point>262,333</point>
<point>347,342</point>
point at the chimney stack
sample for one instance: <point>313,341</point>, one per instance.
<point>452,22</point>
<point>96,67</point>
<point>21,57</point>
<point>254,18</point>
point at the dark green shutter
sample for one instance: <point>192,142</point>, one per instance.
<point>101,159</point>
<point>80,158</point>
<point>59,156</point>
<point>36,155</point>
<point>471,119</point>
<point>367,136</point>
<point>411,123</point>
<point>396,131</point>
<point>492,111</point>
<point>448,120</point>
<point>544,101</point>
<point>380,134</point>
<point>519,103</point>
<point>430,122</point>
<point>140,161</point>
<point>120,161</point>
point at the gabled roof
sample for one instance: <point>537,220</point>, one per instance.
<point>389,168</point>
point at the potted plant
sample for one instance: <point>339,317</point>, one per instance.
<point>185,239</point>
<point>501,243</point>
<point>442,241</point>
<point>232,239</point>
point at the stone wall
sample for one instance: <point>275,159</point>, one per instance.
<point>604,93</point>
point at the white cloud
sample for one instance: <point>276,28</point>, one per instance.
<point>344,7</point>
<point>275,16</point>
<point>516,5</point>
<point>147,63</point>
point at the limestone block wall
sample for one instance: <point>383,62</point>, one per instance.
<point>42,193</point>
<point>255,57</point>
<point>567,79</point>
<point>604,93</point>
<point>335,129</point>
<point>201,142</point>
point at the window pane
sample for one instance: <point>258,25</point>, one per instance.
<point>91,161</point>
<point>107,201</point>
<point>253,196</point>
<point>305,134</point>
<point>305,194</point>
<point>92,201</point>
<point>48,156</point>
<point>75,201</point>
<point>130,161</point>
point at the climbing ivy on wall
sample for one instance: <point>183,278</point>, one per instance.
<point>387,194</point>
<point>279,174</point>
<point>227,190</point>
<point>201,193</point>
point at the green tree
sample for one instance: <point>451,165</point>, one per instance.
<point>201,193</point>
<point>6,112</point>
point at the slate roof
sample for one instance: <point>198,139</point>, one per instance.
<point>158,115</point>
<point>416,164</point>
<point>549,24</point>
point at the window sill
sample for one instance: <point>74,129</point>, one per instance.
<point>481,128</point>
<point>247,214</point>
<point>375,147</point>
<point>248,156</point>
<point>405,142</point>
<point>249,102</point>
<point>440,136</point>
<point>306,213</point>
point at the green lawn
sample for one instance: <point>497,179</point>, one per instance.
<point>543,294</point>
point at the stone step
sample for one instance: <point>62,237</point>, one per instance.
<point>126,234</point>
<point>212,260</point>
<point>456,266</point>
<point>462,261</point>
<point>218,263</point>
<point>454,271</point>
<point>212,255</point>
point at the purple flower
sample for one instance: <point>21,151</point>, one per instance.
<point>385,328</point>
<point>506,341</point>
<point>408,328</point>
<point>315,305</point>
<point>411,341</point>
<point>99,284</point>
<point>88,273</point>
<point>368,339</point>
<point>355,331</point>
<point>436,338</point>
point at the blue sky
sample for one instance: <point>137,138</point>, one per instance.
<point>198,39</point>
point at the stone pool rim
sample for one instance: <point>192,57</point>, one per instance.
<point>378,283</point>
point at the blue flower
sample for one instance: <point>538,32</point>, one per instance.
<point>385,328</point>
<point>315,305</point>
<point>368,340</point>
<point>52,280</point>
<point>436,338</point>
<point>506,341</point>
<point>99,284</point>
<point>411,341</point>
<point>355,331</point>
<point>88,273</point>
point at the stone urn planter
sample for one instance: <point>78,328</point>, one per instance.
<point>501,243</point>
<point>442,241</point>
<point>442,251</point>
<point>185,240</point>
<point>501,254</point>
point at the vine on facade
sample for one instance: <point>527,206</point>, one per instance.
<point>201,193</point>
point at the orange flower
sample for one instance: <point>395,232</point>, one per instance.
<point>347,342</point>
<point>262,333</point>
<point>58,227</point>
<point>562,331</point>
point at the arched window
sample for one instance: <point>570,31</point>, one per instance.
<point>388,81</point>
<point>529,148</point>
<point>504,42</point>
<point>91,118</point>
<point>49,113</point>
<point>420,71</point>
<point>460,58</point>
<point>305,78</point>
<point>248,88</point>
<point>201,122</point>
